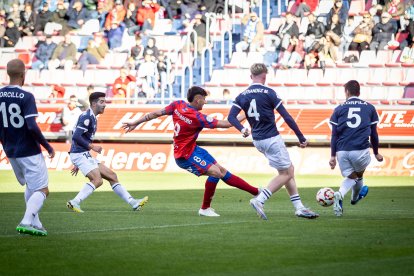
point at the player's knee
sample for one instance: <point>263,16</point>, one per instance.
<point>97,182</point>
<point>45,191</point>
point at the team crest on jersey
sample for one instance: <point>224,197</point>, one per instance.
<point>203,163</point>
<point>86,122</point>
<point>209,119</point>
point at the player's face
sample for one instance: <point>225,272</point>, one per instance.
<point>200,101</point>
<point>100,105</point>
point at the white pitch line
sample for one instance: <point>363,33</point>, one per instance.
<point>139,228</point>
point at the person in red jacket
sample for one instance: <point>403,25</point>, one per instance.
<point>122,85</point>
<point>305,6</point>
<point>146,14</point>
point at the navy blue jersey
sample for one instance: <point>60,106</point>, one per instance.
<point>87,125</point>
<point>259,102</point>
<point>353,120</point>
<point>16,105</point>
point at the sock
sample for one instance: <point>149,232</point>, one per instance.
<point>357,188</point>
<point>297,203</point>
<point>86,191</point>
<point>36,221</point>
<point>235,181</point>
<point>347,184</point>
<point>210,188</point>
<point>33,206</point>
<point>122,193</point>
<point>264,195</point>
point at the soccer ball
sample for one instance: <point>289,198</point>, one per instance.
<point>325,197</point>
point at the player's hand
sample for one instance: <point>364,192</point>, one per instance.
<point>332,162</point>
<point>245,132</point>
<point>303,144</point>
<point>74,171</point>
<point>97,149</point>
<point>128,127</point>
<point>379,157</point>
<point>51,153</point>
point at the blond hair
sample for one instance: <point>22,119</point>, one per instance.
<point>258,68</point>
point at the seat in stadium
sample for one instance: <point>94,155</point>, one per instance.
<point>274,25</point>
<point>395,93</point>
<point>328,78</point>
<point>357,7</point>
<point>313,76</point>
<point>409,78</point>
<point>383,57</point>
<point>324,7</point>
<point>236,59</point>
<point>343,75</point>
<point>295,77</point>
<point>366,58</point>
<point>252,57</point>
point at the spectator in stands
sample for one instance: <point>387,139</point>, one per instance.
<point>44,54</point>
<point>59,22</point>
<point>58,92</point>
<point>146,14</point>
<point>131,19</point>
<point>11,35</point>
<point>305,6</point>
<point>396,8</point>
<point>151,49</point>
<point>315,57</point>
<point>2,26</point>
<point>341,10</point>
<point>136,57</point>
<point>77,15</point>
<point>407,55</point>
<point>227,99</point>
<point>14,14</point>
<point>115,35</point>
<point>347,34</point>
<point>363,34</point>
<point>95,52</point>
<point>90,6</point>
<point>84,102</point>
<point>70,116</point>
<point>116,14</point>
<point>294,54</point>
<point>162,71</point>
<point>332,39</point>
<point>148,76</point>
<point>101,15</point>
<point>64,55</point>
<point>253,33</point>
<point>315,31</point>
<point>123,85</point>
<point>200,28</point>
<point>27,18</point>
<point>42,18</point>
<point>382,32</point>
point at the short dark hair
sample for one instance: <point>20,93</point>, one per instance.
<point>352,87</point>
<point>194,91</point>
<point>93,97</point>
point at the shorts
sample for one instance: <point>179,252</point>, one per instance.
<point>353,161</point>
<point>31,171</point>
<point>84,161</point>
<point>198,163</point>
<point>275,151</point>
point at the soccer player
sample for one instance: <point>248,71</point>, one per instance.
<point>188,122</point>
<point>90,167</point>
<point>258,103</point>
<point>21,139</point>
<point>353,123</point>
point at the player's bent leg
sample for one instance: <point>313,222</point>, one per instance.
<point>235,181</point>
<point>95,181</point>
<point>359,191</point>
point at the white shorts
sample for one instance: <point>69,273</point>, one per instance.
<point>31,171</point>
<point>275,151</point>
<point>353,161</point>
<point>84,161</point>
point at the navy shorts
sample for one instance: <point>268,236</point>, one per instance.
<point>198,163</point>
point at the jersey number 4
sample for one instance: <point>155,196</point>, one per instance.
<point>13,114</point>
<point>352,114</point>
<point>252,112</point>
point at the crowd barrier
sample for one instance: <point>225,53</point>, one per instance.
<point>240,159</point>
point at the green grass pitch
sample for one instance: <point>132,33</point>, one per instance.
<point>167,237</point>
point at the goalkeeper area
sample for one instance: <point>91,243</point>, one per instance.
<point>169,238</point>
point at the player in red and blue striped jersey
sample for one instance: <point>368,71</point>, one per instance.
<point>188,123</point>
<point>21,139</point>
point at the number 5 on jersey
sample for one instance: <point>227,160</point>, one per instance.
<point>252,112</point>
<point>353,115</point>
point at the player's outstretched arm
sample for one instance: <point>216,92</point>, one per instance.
<point>38,136</point>
<point>292,124</point>
<point>235,119</point>
<point>130,126</point>
<point>375,142</point>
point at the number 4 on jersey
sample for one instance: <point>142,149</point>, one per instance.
<point>252,112</point>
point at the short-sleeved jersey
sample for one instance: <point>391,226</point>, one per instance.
<point>86,123</point>
<point>188,122</point>
<point>16,105</point>
<point>259,102</point>
<point>353,119</point>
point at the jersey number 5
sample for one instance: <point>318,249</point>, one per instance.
<point>353,115</point>
<point>252,112</point>
<point>16,120</point>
